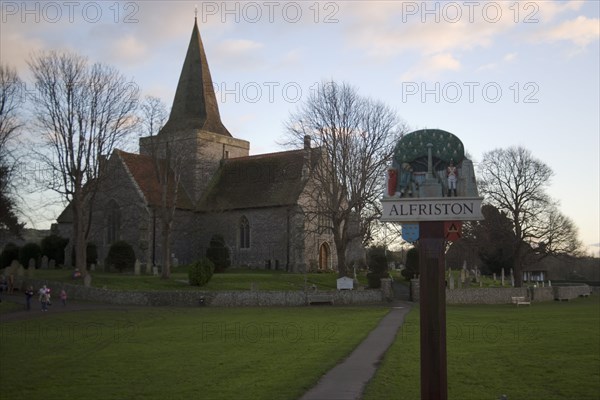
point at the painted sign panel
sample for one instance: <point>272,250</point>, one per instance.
<point>431,209</point>
<point>410,232</point>
<point>453,230</point>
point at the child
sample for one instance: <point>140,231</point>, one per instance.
<point>63,297</point>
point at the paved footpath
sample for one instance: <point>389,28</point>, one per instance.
<point>348,380</point>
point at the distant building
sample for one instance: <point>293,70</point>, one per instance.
<point>254,202</point>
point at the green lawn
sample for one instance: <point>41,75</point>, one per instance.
<point>546,351</point>
<point>202,353</point>
<point>236,279</point>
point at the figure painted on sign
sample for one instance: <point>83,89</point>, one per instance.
<point>452,175</point>
<point>405,180</point>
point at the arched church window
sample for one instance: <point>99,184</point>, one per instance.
<point>113,222</point>
<point>244,233</point>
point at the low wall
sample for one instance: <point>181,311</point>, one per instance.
<point>504,295</point>
<point>571,292</point>
<point>218,299</point>
<point>484,295</point>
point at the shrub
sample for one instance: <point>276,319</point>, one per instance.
<point>218,253</point>
<point>412,264</point>
<point>29,251</point>
<point>9,253</point>
<point>91,255</point>
<point>378,268</point>
<point>53,247</point>
<point>200,272</point>
<point>120,256</point>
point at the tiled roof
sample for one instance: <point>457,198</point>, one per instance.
<point>141,168</point>
<point>266,180</point>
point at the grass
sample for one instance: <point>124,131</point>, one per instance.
<point>207,353</point>
<point>546,351</point>
<point>234,279</point>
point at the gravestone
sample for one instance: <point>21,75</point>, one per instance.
<point>512,278</point>
<point>137,267</point>
<point>463,275</point>
<point>87,280</point>
<point>44,264</point>
<point>451,281</point>
<point>494,277</point>
<point>52,264</point>
<point>155,271</point>
<point>149,268</point>
<point>502,275</point>
<point>345,283</point>
<point>31,263</point>
<point>92,267</point>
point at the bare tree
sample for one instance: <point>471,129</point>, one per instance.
<point>82,111</point>
<point>515,182</point>
<point>10,100</point>
<point>356,137</point>
<point>169,158</point>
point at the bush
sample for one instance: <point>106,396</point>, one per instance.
<point>120,256</point>
<point>91,255</point>
<point>218,253</point>
<point>53,247</point>
<point>412,264</point>
<point>9,253</point>
<point>200,272</point>
<point>378,267</point>
<point>29,251</point>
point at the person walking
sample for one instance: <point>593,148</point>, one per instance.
<point>29,295</point>
<point>44,298</point>
<point>63,297</point>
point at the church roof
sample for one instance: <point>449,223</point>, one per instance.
<point>141,168</point>
<point>266,180</point>
<point>195,104</point>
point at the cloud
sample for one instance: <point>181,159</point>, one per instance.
<point>129,49</point>
<point>510,57</point>
<point>581,31</point>
<point>432,66</point>
<point>547,11</point>
<point>238,53</point>
<point>392,30</point>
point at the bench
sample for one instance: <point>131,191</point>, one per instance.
<point>520,300</point>
<point>320,299</point>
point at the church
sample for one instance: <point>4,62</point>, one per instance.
<point>255,202</point>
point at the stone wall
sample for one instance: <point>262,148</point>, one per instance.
<point>571,292</point>
<point>218,299</point>
<point>503,295</point>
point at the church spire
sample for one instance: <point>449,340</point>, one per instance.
<point>195,105</point>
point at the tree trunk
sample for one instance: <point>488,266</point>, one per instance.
<point>79,243</point>
<point>166,246</point>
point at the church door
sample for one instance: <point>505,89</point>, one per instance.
<point>324,257</point>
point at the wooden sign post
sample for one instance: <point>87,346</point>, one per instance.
<point>431,190</point>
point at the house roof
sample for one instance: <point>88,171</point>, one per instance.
<point>142,170</point>
<point>266,180</point>
<point>195,104</point>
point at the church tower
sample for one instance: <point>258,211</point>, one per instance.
<point>194,128</point>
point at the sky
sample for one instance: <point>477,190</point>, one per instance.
<point>494,73</point>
